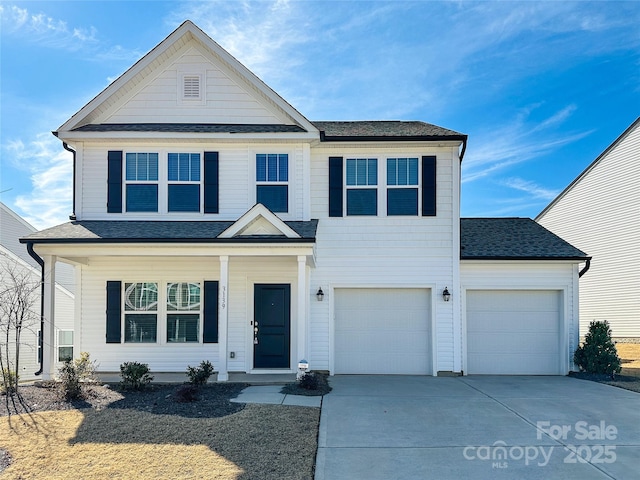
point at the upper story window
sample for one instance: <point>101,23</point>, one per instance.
<point>272,181</point>
<point>362,175</point>
<point>402,186</point>
<point>184,182</point>
<point>141,181</point>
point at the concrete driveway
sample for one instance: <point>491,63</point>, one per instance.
<point>410,427</point>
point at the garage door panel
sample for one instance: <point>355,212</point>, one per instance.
<point>513,332</point>
<point>382,331</point>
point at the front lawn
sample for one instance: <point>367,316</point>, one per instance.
<point>130,435</point>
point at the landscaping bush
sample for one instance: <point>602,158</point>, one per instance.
<point>309,381</point>
<point>73,373</point>
<point>598,352</point>
<point>186,394</point>
<point>9,382</point>
<point>200,374</point>
<point>135,375</point>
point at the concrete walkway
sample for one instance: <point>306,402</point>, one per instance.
<point>271,394</point>
<point>406,427</point>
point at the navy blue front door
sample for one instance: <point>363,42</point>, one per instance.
<point>271,325</point>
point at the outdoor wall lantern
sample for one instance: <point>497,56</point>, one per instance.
<point>320,294</point>
<point>446,295</point>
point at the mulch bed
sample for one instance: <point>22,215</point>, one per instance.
<point>621,381</point>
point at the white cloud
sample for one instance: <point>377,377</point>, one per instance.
<point>531,188</point>
<point>50,169</point>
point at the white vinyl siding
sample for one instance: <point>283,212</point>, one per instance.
<point>382,331</point>
<point>600,215</point>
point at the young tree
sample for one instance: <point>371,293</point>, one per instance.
<point>19,312</point>
<point>598,353</point>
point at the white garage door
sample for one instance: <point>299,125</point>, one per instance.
<point>513,332</point>
<point>382,331</point>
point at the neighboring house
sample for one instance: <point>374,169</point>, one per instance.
<point>213,221</point>
<point>13,255</point>
<point>600,213</point>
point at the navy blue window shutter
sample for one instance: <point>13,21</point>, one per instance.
<point>429,186</point>
<point>114,181</point>
<point>335,186</point>
<point>211,182</point>
<point>114,296</point>
<point>210,320</point>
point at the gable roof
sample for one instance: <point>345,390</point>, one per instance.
<point>132,231</point>
<point>512,239</point>
<point>384,130</point>
<point>261,221</point>
<point>186,32</point>
<point>593,165</point>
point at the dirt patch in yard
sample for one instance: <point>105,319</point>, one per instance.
<point>629,377</point>
<point>130,435</point>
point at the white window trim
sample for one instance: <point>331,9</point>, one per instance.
<point>64,344</point>
<point>253,180</point>
<point>126,182</point>
<point>379,191</point>
<point>417,186</point>
<point>165,207</point>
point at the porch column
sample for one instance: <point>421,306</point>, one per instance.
<point>303,295</point>
<point>223,318</point>
<point>49,330</point>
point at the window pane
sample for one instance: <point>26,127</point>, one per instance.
<point>142,198</point>
<point>274,197</point>
<point>362,201</point>
<point>283,168</point>
<point>351,172</point>
<point>391,171</point>
<point>140,328</point>
<point>173,167</point>
<point>65,353</point>
<point>183,175</point>
<point>183,296</point>
<point>272,167</point>
<point>132,165</point>
<point>261,167</point>
<point>184,198</point>
<point>183,327</point>
<point>141,296</point>
<point>65,337</point>
<point>413,171</point>
<point>372,171</point>
<point>361,171</point>
<point>195,167</point>
<point>402,201</point>
<point>153,167</point>
<point>402,171</point>
<point>142,169</point>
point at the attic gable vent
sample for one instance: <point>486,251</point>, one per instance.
<point>191,87</point>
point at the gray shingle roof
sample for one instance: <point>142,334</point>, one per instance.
<point>512,238</point>
<point>116,231</point>
<point>385,129</point>
<point>189,128</point>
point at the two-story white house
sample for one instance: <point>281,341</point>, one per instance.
<point>213,221</point>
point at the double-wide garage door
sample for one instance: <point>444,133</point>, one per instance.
<point>382,331</point>
<point>513,332</point>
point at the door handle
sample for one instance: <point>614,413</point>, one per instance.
<point>255,334</point>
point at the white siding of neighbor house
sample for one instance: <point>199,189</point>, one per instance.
<point>539,275</point>
<point>237,189</point>
<point>226,98</point>
<point>379,251</point>
<point>600,215</point>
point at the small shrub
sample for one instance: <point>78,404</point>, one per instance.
<point>598,352</point>
<point>9,382</point>
<point>309,381</point>
<point>135,375</point>
<point>73,374</point>
<point>186,394</point>
<point>200,374</point>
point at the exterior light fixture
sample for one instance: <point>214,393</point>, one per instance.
<point>445,294</point>
<point>320,294</point>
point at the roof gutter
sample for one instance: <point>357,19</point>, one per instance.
<point>586,268</point>
<point>72,217</point>
<point>40,261</point>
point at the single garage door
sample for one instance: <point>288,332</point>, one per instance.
<point>382,331</point>
<point>513,332</point>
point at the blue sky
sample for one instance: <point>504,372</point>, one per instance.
<point>541,88</point>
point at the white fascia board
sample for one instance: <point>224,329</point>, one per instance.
<point>87,136</point>
<point>253,214</point>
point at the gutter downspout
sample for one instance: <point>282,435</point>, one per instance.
<point>464,148</point>
<point>586,268</point>
<point>72,217</point>
<point>40,261</point>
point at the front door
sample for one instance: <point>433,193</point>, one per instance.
<point>271,325</point>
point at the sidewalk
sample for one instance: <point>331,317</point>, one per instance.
<point>270,394</point>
